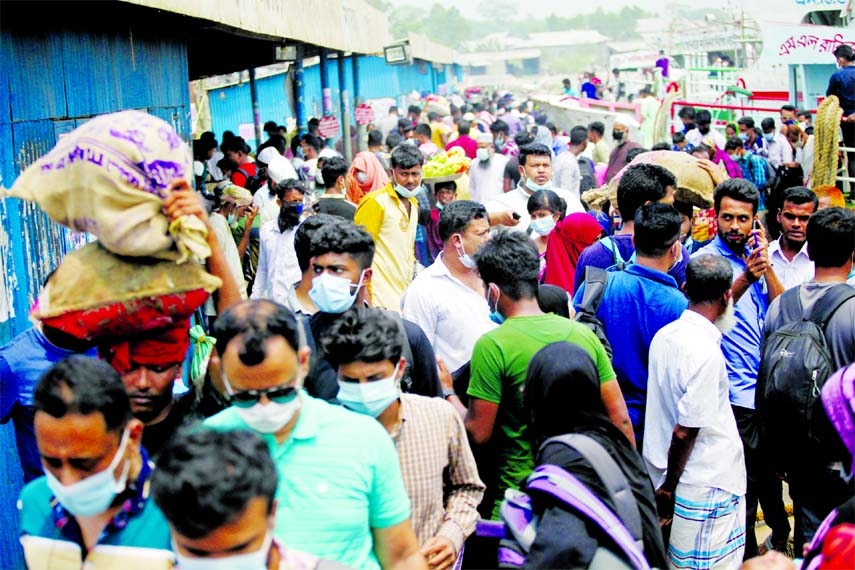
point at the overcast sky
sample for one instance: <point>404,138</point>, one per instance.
<point>472,8</point>
<point>785,10</point>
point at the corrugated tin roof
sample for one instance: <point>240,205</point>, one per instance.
<point>347,25</point>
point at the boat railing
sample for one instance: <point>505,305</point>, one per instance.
<point>706,83</point>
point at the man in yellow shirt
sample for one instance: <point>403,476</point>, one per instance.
<point>390,214</point>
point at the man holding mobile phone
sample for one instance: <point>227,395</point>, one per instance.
<point>742,241</point>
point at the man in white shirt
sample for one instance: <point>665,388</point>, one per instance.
<point>535,174</point>
<point>692,447</point>
<point>487,171</point>
<point>565,169</point>
<point>278,268</point>
<point>777,146</point>
<point>279,169</point>
<point>788,254</point>
<point>447,299</point>
<point>703,120</point>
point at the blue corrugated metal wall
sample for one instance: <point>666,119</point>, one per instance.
<point>49,84</point>
<point>232,106</point>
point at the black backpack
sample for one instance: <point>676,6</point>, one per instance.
<point>795,365</point>
<point>595,284</point>
<point>586,170</point>
<point>253,182</point>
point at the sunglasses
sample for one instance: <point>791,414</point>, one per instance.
<point>249,398</point>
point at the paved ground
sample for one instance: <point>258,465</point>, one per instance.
<point>761,530</point>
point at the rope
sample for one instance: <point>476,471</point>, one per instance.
<point>663,116</point>
<point>825,142</point>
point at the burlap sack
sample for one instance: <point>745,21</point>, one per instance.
<point>696,178</point>
<point>109,177</point>
<point>94,293</point>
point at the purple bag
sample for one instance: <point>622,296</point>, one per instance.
<point>518,527</point>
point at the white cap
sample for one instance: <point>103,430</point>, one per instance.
<point>484,138</point>
<point>328,153</point>
<point>267,154</point>
<point>279,169</point>
<point>622,120</point>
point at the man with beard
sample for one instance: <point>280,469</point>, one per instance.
<point>618,157</point>
<point>691,443</point>
<point>743,244</point>
<point>788,254</point>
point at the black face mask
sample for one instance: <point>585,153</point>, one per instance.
<point>688,127</point>
<point>289,216</point>
<point>617,135</point>
<point>703,129</point>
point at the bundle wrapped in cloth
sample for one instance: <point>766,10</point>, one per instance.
<point>696,178</point>
<point>95,294</point>
<point>109,177</point>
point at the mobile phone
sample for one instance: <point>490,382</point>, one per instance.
<point>515,216</point>
<point>758,228</point>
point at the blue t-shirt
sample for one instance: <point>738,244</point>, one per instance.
<point>743,344</point>
<point>636,303</point>
<point>842,84</point>
<point>589,90</point>
<point>137,532</point>
<point>22,363</point>
<point>600,256</point>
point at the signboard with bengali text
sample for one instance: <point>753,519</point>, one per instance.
<point>328,127</point>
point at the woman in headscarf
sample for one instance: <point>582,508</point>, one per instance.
<point>564,246</point>
<point>366,174</point>
<point>546,209</point>
<point>543,136</point>
<point>562,395</point>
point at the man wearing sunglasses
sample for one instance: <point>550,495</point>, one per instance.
<point>341,495</point>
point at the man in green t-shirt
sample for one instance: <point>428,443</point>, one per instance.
<point>509,267</point>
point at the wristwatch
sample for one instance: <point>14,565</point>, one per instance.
<point>448,392</point>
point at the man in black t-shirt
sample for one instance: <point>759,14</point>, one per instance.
<point>333,201</point>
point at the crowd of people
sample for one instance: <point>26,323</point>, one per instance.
<point>396,358</point>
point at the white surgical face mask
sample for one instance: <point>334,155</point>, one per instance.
<point>679,256</point>
<point>249,561</point>
<point>95,494</point>
<point>727,320</point>
<point>369,398</point>
<point>361,177</point>
<point>482,154</point>
<point>465,259</point>
<point>270,417</point>
<point>534,186</point>
<point>332,294</point>
<point>542,226</point>
<point>404,192</point>
<point>769,137</point>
